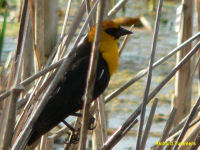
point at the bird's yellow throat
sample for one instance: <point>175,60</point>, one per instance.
<point>108,49</point>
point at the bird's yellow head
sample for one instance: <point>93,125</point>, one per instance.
<point>110,34</point>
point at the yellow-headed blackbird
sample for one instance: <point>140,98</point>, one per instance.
<point>68,96</point>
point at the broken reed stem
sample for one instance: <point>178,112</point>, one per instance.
<point>167,128</point>
<point>189,120</point>
<point>149,77</point>
<point>9,107</point>
<point>143,72</point>
<point>125,41</point>
<point>135,114</point>
<point>91,76</point>
<point>66,18</point>
<point>149,123</point>
<point>117,136</point>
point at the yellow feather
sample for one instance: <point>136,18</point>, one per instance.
<point>108,46</point>
<point>109,50</point>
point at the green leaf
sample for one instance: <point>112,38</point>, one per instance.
<point>3,30</point>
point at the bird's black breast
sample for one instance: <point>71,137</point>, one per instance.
<point>68,95</point>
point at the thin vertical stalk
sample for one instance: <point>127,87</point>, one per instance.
<point>91,76</point>
<point>39,37</point>
<point>102,117</point>
<point>167,127</point>
<point>64,28</point>
<point>155,37</point>
<point>74,26</point>
<point>88,11</point>
<point>183,91</point>
<point>100,133</point>
<point>149,123</point>
<point>66,17</point>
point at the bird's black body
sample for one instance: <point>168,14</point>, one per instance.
<point>68,95</point>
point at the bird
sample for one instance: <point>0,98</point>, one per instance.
<point>67,97</point>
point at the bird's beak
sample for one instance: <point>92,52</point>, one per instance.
<point>121,32</point>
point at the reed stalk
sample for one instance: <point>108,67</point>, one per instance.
<point>149,76</point>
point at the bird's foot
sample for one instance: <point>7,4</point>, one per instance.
<point>73,138</point>
<point>92,124</point>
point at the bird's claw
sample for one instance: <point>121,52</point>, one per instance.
<point>92,124</point>
<point>73,139</point>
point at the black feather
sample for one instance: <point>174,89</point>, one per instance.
<point>67,97</point>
